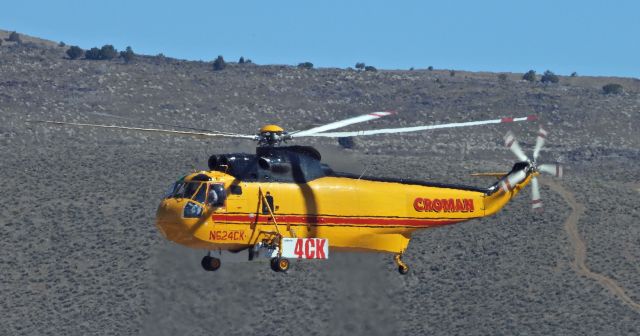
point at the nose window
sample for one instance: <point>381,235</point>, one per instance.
<point>192,210</point>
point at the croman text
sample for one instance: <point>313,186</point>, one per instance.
<point>443,205</point>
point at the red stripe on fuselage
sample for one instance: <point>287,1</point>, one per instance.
<point>334,221</point>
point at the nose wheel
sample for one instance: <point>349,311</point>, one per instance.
<point>402,267</point>
<point>210,263</point>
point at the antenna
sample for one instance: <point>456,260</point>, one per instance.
<point>363,171</point>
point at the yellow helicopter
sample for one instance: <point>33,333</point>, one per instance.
<point>283,203</point>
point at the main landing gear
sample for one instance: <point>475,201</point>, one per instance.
<point>402,267</point>
<point>210,263</point>
<point>279,264</point>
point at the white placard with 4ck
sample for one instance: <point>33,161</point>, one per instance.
<point>305,248</point>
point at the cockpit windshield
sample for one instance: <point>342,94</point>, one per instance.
<point>173,189</point>
<point>190,188</point>
<point>200,192</point>
<point>182,189</point>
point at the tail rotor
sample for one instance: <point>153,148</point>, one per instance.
<point>536,202</point>
<point>554,169</point>
<point>511,143</point>
<point>532,167</point>
<point>542,135</point>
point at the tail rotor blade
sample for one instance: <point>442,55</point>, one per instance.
<point>554,169</point>
<point>511,180</point>
<point>536,202</point>
<point>511,142</point>
<point>542,135</point>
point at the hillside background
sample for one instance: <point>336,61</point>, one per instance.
<point>82,255</point>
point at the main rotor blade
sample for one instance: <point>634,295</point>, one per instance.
<point>155,130</point>
<point>341,123</point>
<point>421,128</point>
<point>135,120</point>
<point>511,142</point>
<point>542,135</point>
<point>536,202</point>
<point>554,169</point>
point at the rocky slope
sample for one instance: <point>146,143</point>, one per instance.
<point>82,256</point>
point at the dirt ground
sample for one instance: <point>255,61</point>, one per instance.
<point>81,255</point>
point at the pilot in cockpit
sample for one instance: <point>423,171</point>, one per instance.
<point>217,195</point>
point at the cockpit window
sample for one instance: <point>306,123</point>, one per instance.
<point>217,195</point>
<point>173,189</point>
<point>183,189</point>
<point>201,194</point>
<point>190,189</point>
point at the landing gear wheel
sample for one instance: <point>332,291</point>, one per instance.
<point>210,263</point>
<point>280,264</point>
<point>274,262</point>
<point>402,267</point>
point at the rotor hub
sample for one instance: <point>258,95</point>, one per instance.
<point>271,129</point>
<point>272,135</point>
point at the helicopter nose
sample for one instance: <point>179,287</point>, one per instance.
<point>169,221</point>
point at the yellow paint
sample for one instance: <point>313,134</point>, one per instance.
<point>271,128</point>
<point>355,215</point>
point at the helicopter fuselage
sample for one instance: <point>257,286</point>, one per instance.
<point>285,191</point>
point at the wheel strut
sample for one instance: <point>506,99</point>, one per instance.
<point>402,267</point>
